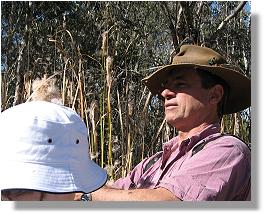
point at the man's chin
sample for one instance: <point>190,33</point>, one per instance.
<point>174,121</point>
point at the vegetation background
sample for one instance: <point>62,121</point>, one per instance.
<point>100,51</point>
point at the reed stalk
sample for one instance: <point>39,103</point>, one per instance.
<point>81,89</point>
<point>76,94</point>
<point>109,64</point>
<point>102,127</point>
<point>122,130</point>
<point>64,82</point>
<point>104,50</point>
<point>93,133</point>
<point>157,135</point>
<point>128,154</point>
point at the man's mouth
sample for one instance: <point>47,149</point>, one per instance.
<point>167,105</point>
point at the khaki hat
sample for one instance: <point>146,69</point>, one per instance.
<point>192,56</point>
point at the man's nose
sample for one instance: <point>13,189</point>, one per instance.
<point>167,94</point>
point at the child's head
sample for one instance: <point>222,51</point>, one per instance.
<point>45,89</point>
<point>45,148</point>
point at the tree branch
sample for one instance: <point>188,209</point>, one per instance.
<point>237,10</point>
<point>187,12</point>
<point>171,25</point>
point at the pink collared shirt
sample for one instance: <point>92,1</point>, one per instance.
<point>220,170</point>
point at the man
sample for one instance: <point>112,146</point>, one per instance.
<point>44,154</point>
<point>201,163</point>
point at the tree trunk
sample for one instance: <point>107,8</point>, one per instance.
<point>20,70</point>
<point>19,76</point>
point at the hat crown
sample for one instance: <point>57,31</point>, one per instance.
<point>191,54</point>
<point>43,132</point>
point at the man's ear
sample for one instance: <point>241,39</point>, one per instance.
<point>216,93</point>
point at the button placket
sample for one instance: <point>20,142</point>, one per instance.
<point>165,156</point>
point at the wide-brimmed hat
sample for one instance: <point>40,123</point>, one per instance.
<point>45,148</point>
<point>192,57</point>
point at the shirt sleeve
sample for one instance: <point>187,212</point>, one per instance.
<point>134,178</point>
<point>131,179</point>
<point>220,171</point>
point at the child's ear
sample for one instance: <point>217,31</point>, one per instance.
<point>216,93</point>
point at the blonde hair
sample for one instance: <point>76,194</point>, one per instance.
<point>45,89</point>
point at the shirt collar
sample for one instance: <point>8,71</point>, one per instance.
<point>187,144</point>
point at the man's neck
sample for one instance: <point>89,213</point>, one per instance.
<point>183,135</point>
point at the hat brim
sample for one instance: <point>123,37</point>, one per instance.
<point>240,86</point>
<point>53,177</point>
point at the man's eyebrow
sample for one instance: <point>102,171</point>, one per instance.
<point>174,77</point>
<point>178,77</point>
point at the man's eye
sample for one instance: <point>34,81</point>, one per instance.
<point>180,85</point>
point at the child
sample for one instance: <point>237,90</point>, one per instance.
<point>45,153</point>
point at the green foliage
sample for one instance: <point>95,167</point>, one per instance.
<point>75,39</point>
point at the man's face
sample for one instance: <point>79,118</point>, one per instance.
<point>187,104</point>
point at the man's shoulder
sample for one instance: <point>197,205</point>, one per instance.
<point>230,141</point>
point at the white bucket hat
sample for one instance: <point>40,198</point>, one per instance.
<point>45,148</point>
